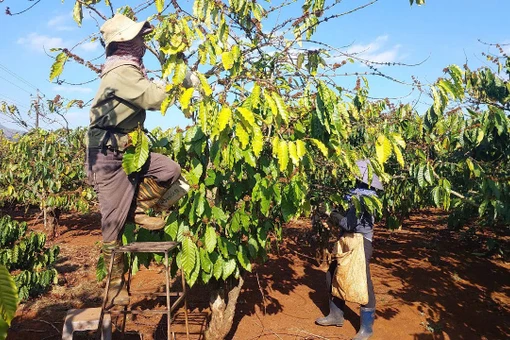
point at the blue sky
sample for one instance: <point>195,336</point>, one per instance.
<point>444,31</point>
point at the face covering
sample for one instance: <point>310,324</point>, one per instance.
<point>127,52</point>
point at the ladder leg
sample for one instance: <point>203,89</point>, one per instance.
<point>167,276</point>
<point>108,277</point>
<point>185,293</point>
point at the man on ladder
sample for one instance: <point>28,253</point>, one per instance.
<point>119,107</point>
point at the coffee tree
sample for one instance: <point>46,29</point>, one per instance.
<point>44,169</point>
<point>264,108</point>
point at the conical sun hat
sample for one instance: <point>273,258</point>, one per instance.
<point>121,28</point>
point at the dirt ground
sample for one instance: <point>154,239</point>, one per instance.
<point>428,285</point>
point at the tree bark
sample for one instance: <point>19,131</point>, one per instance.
<point>222,312</point>
<point>51,217</point>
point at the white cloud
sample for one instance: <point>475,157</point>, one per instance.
<point>377,51</point>
<point>61,23</point>
<point>39,43</point>
<point>90,46</point>
<point>72,89</point>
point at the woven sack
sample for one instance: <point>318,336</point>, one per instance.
<point>350,279</point>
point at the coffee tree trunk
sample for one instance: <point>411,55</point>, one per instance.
<point>223,310</point>
<point>51,217</point>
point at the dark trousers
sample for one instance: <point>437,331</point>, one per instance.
<point>367,246</point>
<point>116,190</point>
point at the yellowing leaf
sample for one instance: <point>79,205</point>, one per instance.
<point>169,66</point>
<point>224,118</point>
<point>398,154</point>
<point>166,104</point>
<point>186,98</point>
<point>205,85</point>
<point>383,149</point>
<point>58,65</point>
<point>272,104</point>
<point>242,134</point>
<point>258,140</point>
<point>301,149</point>
<point>283,155</point>
<point>320,146</point>
<point>202,116</point>
<point>398,139</point>
<point>180,72</point>
<point>293,153</point>
<point>78,12</point>
<point>255,96</point>
<point>160,4</point>
<point>282,109</point>
<point>275,144</point>
<point>247,115</point>
<point>227,60</point>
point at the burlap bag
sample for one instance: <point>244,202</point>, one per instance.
<point>350,280</point>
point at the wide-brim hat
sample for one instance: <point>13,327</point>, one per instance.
<point>375,182</point>
<point>121,28</point>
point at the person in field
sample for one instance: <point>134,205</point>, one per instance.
<point>351,223</point>
<point>119,107</point>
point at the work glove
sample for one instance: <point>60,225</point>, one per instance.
<point>334,218</point>
<point>191,80</point>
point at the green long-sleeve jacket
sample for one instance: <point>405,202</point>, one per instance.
<point>119,106</point>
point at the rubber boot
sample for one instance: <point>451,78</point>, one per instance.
<point>172,194</point>
<point>148,222</point>
<point>367,316</point>
<point>117,292</point>
<point>148,194</point>
<point>336,314</point>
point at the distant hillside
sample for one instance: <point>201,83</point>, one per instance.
<point>10,133</point>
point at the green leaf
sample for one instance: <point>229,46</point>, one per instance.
<point>218,267</point>
<point>436,195</point>
<point>428,173</point>
<point>383,149</point>
<point>3,329</point>
<point>242,257</point>
<point>8,296</point>
<point>160,5</point>
<point>189,255</point>
<point>219,214</point>
<point>228,268</point>
<point>58,65</point>
<point>420,177</point>
<point>210,239</point>
<point>171,228</point>
<point>135,157</point>
<point>101,270</point>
